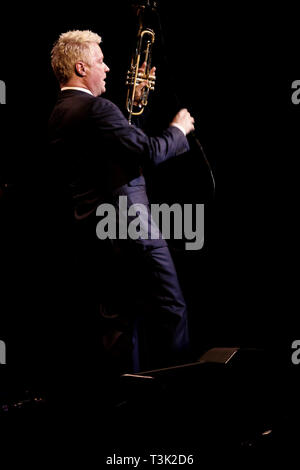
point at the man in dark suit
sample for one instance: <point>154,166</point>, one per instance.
<point>101,157</point>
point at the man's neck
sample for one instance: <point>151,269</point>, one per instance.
<point>85,90</point>
<point>75,83</point>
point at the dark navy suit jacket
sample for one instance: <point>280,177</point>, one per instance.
<point>98,152</point>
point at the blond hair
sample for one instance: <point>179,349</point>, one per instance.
<point>69,49</point>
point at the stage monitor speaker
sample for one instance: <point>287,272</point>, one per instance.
<point>229,394</point>
<point>218,355</point>
<point>214,356</point>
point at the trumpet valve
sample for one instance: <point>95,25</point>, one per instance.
<point>141,77</point>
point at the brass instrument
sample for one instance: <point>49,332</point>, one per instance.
<point>142,54</point>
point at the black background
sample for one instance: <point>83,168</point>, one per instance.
<point>232,67</point>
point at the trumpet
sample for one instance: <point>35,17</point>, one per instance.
<point>143,55</point>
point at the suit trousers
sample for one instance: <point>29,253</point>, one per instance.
<point>144,321</point>
<point>142,313</point>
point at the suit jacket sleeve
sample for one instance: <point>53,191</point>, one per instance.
<point>109,120</point>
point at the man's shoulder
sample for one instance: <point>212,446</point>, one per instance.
<point>105,108</point>
<point>105,104</point>
<point>96,104</point>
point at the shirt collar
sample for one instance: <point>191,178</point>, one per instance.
<point>76,88</point>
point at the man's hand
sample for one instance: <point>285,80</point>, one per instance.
<point>139,88</point>
<point>184,120</point>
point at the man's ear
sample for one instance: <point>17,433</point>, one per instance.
<point>80,69</point>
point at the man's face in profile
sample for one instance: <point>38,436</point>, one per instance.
<point>96,72</point>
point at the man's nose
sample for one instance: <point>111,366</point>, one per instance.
<point>107,69</point>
